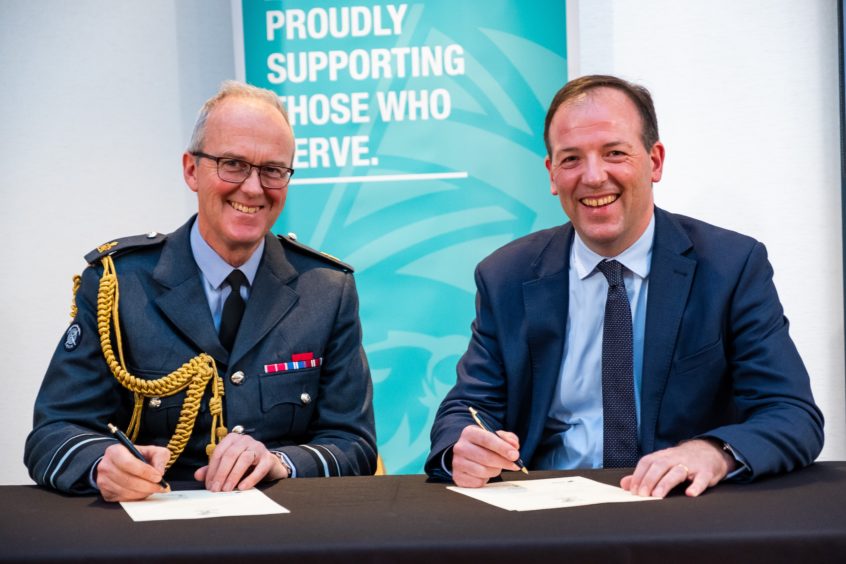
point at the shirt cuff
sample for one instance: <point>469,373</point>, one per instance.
<point>92,474</point>
<point>287,461</point>
<point>447,451</point>
<point>742,467</point>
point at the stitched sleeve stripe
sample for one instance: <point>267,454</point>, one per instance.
<point>332,456</point>
<point>320,456</point>
<point>313,456</point>
<point>70,451</point>
<point>60,450</point>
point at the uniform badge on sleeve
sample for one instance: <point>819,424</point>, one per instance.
<point>73,337</point>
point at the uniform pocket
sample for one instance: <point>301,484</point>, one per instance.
<point>290,397</point>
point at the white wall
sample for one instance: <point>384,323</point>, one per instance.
<point>99,96</point>
<point>96,107</point>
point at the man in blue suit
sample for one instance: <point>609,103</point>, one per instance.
<point>230,355</point>
<point>717,387</point>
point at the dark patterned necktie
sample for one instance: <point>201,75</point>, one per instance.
<point>618,407</point>
<point>233,309</point>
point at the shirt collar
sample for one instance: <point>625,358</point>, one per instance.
<point>213,267</point>
<point>637,258</point>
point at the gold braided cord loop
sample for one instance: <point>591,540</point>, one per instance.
<point>77,282</point>
<point>194,375</point>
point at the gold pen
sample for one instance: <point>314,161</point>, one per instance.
<point>481,424</point>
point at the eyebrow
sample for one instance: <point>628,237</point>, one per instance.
<point>608,145</point>
<point>616,144</point>
<point>237,156</point>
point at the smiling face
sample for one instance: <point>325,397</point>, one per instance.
<point>600,170</point>
<point>234,218</point>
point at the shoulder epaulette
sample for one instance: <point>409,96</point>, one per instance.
<point>124,244</point>
<point>290,240</point>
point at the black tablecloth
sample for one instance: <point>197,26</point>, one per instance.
<point>800,517</point>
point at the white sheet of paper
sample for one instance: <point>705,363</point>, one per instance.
<point>550,493</point>
<point>201,504</point>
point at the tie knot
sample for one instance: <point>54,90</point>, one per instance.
<point>236,279</point>
<point>612,270</point>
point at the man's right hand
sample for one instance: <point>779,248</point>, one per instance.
<point>122,477</point>
<point>480,455</point>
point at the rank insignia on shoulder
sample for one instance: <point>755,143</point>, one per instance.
<point>125,244</point>
<point>73,336</point>
<point>106,247</point>
<point>290,240</point>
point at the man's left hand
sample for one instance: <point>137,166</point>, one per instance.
<point>239,461</point>
<point>699,461</point>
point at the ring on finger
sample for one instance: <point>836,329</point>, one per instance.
<point>685,468</point>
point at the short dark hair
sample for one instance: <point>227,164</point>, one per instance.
<point>639,95</point>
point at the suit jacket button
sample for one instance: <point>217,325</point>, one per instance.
<point>305,398</point>
<point>238,429</point>
<point>237,378</point>
<point>155,402</point>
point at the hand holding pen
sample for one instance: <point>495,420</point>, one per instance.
<point>480,423</point>
<point>481,454</point>
<point>131,472</point>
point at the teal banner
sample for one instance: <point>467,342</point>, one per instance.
<point>419,135</point>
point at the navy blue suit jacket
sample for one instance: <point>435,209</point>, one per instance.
<point>718,359</point>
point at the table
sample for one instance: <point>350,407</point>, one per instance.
<point>799,517</point>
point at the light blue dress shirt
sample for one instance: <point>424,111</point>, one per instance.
<point>574,435</point>
<point>214,271</point>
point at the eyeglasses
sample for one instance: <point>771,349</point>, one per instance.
<point>271,177</point>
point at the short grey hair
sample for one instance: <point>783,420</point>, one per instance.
<point>231,89</point>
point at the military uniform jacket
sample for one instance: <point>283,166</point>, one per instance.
<point>301,305</point>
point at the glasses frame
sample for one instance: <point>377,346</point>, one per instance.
<point>217,160</point>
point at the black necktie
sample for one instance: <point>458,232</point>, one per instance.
<point>233,309</point>
<point>618,407</point>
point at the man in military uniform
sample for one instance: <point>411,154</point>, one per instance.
<point>239,350</point>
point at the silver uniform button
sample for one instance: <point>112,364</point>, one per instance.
<point>238,429</point>
<point>305,398</point>
<point>292,235</point>
<point>237,378</point>
<point>152,235</point>
<point>155,402</point>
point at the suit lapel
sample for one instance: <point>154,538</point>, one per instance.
<point>270,298</point>
<point>183,300</point>
<point>546,305</point>
<point>670,280</point>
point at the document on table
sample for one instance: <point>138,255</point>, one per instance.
<point>551,493</point>
<point>201,504</point>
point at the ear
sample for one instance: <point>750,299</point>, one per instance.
<point>656,155</point>
<point>552,187</point>
<point>189,171</point>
